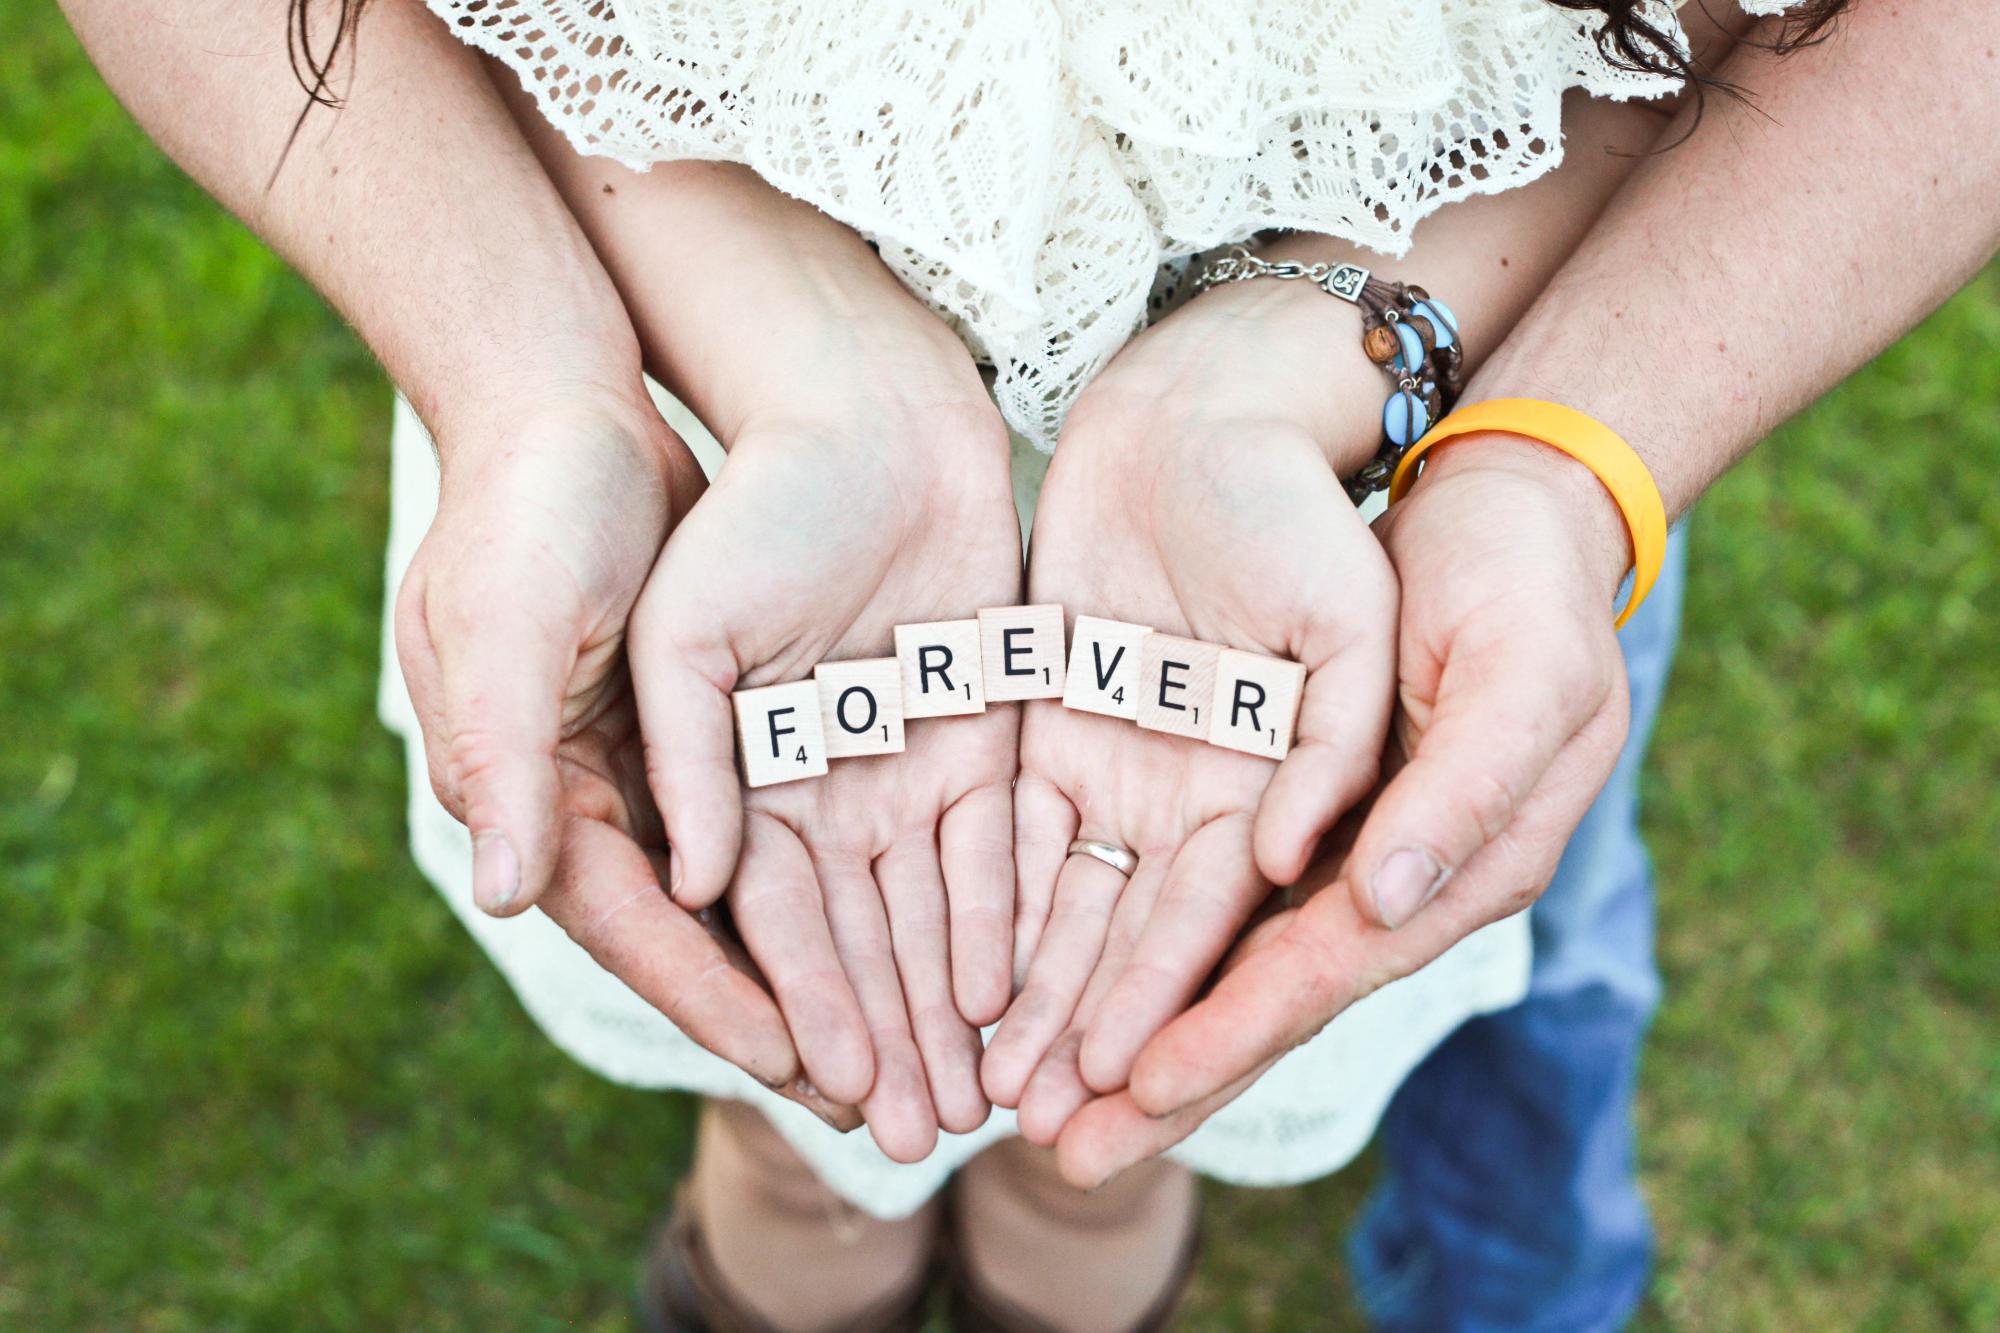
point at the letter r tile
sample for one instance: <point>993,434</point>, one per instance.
<point>941,668</point>
<point>1256,702</point>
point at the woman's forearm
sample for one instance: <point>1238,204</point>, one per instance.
<point>417,209</point>
<point>1737,277</point>
<point>1486,258</point>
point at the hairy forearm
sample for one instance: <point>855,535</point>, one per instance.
<point>417,209</point>
<point>1740,275</point>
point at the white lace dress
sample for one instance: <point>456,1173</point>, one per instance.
<point>1035,170</point>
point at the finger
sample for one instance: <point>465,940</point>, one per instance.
<point>1045,824</point>
<point>689,730</point>
<point>1056,1089</point>
<point>496,719</point>
<point>841,1116</point>
<point>1267,1004</point>
<point>1499,722</point>
<point>1054,1093</point>
<point>1211,889</point>
<point>608,899</point>
<point>913,891</point>
<point>1343,722</point>
<point>1111,1134</point>
<point>1330,954</point>
<point>782,916</point>
<point>898,1107</point>
<point>1086,892</point>
<point>976,845</point>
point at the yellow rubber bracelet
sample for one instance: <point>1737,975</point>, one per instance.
<point>1587,440</point>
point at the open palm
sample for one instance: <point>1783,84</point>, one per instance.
<point>1242,536</point>
<point>876,899</point>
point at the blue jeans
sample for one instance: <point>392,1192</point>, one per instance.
<point>1510,1200</point>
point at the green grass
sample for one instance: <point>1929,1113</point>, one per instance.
<point>253,1076</point>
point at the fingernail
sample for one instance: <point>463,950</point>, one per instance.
<point>1403,883</point>
<point>674,873</point>
<point>496,872</point>
<point>840,1118</point>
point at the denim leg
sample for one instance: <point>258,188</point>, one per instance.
<point>1510,1200</point>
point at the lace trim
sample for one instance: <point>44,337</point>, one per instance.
<point>1028,167</point>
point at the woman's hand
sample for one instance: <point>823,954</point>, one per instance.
<point>1512,714</point>
<point>867,486</point>
<point>1193,493</point>
<point>510,626</point>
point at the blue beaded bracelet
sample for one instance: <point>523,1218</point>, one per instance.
<point>1405,330</point>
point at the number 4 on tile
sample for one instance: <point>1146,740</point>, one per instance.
<point>778,733</point>
<point>1104,667</point>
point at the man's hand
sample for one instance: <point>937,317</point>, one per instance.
<point>1512,712</point>
<point>1193,493</point>
<point>510,626</point>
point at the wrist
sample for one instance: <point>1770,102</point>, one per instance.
<point>602,429</point>
<point>1591,518</point>
<point>1239,360</point>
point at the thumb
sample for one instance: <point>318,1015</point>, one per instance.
<point>495,678</point>
<point>1502,714</point>
<point>689,731</point>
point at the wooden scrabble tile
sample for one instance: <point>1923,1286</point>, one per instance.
<point>1104,667</point>
<point>1177,685</point>
<point>1021,652</point>
<point>861,706</point>
<point>1256,702</point>
<point>940,665</point>
<point>778,733</point>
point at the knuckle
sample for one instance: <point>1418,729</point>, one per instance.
<point>1357,778</point>
<point>974,920</point>
<point>982,849</point>
<point>454,605</point>
<point>919,925</point>
<point>410,598</point>
<point>1520,896</point>
<point>473,756</point>
<point>1580,679</point>
<point>935,1024</point>
<point>683,994</point>
<point>441,786</point>
<point>1487,804</point>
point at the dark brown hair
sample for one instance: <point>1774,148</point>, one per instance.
<point>1629,40</point>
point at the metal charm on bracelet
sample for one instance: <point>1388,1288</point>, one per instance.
<point>1405,330</point>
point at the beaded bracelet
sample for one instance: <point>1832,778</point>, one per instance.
<point>1405,330</point>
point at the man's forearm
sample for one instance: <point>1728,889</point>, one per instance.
<point>417,210</point>
<point>1740,275</point>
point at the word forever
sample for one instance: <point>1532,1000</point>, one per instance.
<point>951,668</point>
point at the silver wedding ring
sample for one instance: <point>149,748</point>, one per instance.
<point>1118,858</point>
